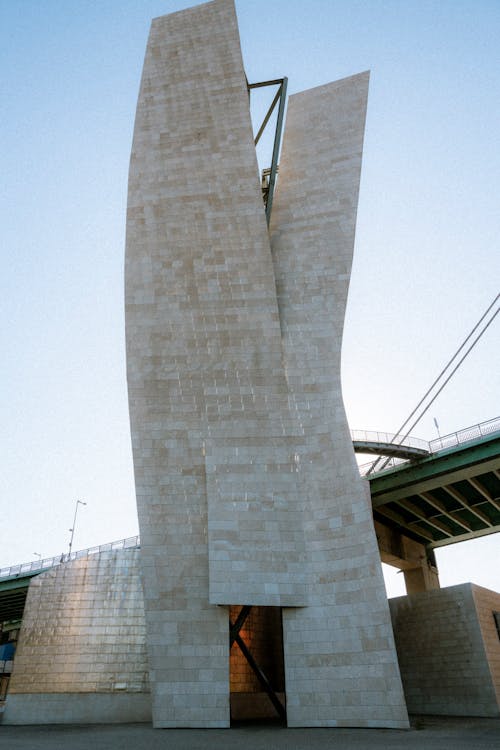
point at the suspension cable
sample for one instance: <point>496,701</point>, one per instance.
<point>436,381</point>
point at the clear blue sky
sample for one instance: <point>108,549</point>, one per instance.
<point>427,247</point>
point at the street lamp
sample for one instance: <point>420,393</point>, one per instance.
<point>78,502</point>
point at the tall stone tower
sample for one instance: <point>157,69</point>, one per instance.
<point>250,504</point>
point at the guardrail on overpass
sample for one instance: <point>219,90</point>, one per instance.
<point>467,435</point>
<point>39,566</point>
<point>388,438</point>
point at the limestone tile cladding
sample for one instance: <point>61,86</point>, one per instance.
<point>203,348</point>
<point>247,488</point>
<point>83,635</point>
<point>449,650</point>
<point>340,660</point>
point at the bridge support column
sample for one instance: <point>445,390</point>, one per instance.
<point>415,560</point>
<point>422,578</point>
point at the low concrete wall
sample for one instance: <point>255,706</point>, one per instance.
<point>445,667</point>
<point>81,654</point>
<point>78,708</point>
<point>488,602</point>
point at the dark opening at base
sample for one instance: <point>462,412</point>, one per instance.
<point>257,674</point>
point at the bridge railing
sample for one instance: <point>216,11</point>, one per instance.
<point>39,566</point>
<point>391,463</point>
<point>438,444</point>
<point>371,436</point>
<point>466,435</point>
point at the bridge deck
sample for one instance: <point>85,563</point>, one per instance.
<point>447,497</point>
<point>381,448</point>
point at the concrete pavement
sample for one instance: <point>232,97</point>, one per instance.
<point>427,733</point>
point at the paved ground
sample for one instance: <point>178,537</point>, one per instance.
<point>427,734</point>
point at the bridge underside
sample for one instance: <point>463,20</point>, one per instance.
<point>446,498</point>
<point>394,450</point>
<point>449,497</point>
<point>12,599</point>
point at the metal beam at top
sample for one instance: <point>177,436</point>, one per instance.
<point>261,84</point>
<point>281,98</point>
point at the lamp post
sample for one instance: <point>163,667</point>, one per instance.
<point>78,502</point>
<point>439,434</point>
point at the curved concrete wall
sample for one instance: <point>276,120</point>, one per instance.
<point>340,647</point>
<point>246,484</point>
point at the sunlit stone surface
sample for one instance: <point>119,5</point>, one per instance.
<point>340,662</point>
<point>81,656</point>
<point>448,649</point>
<point>247,489</point>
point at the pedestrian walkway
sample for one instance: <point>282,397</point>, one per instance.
<point>427,733</point>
